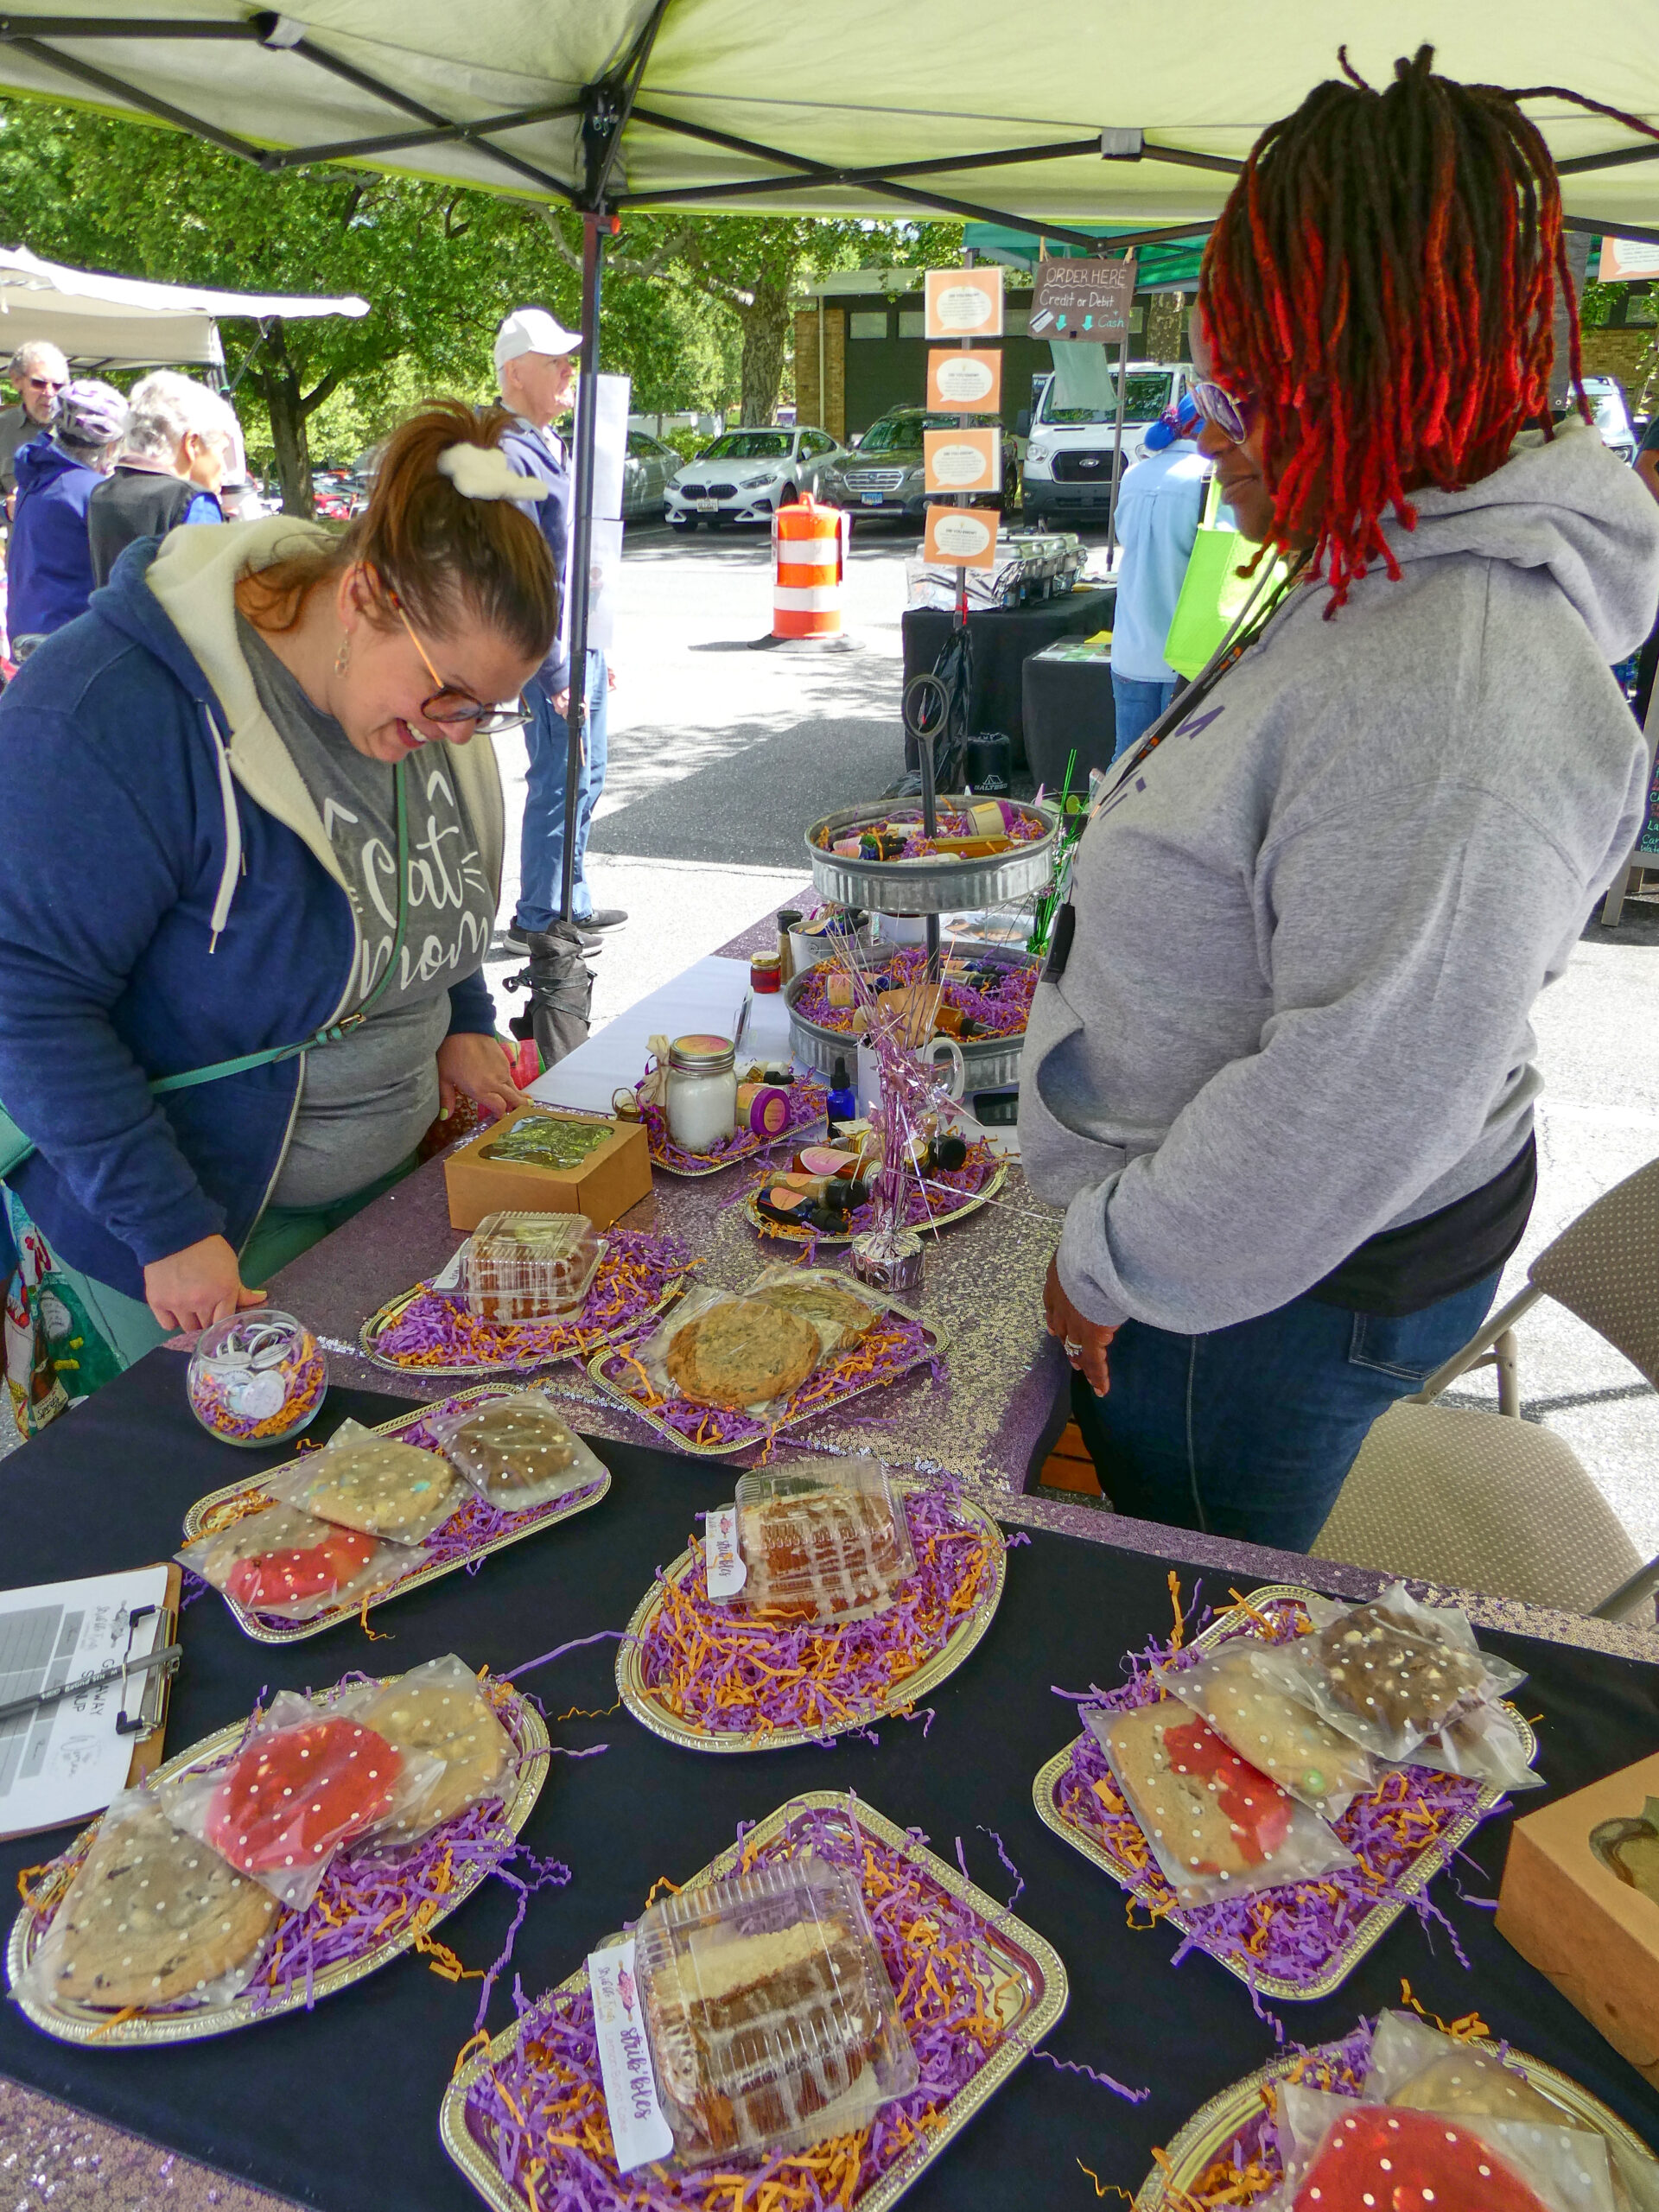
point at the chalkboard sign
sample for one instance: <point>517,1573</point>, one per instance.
<point>1090,300</point>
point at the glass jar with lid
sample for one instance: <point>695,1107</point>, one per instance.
<point>701,1092</point>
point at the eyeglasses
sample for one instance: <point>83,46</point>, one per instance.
<point>1230,416</point>
<point>46,383</point>
<point>446,704</point>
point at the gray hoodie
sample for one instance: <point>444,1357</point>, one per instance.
<point>1311,922</point>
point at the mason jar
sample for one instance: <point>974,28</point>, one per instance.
<point>701,1092</point>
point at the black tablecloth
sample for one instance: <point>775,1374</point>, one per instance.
<point>1003,640</point>
<point>1068,706</point>
<point>338,2108</point>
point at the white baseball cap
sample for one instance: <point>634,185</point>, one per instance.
<point>533,330</point>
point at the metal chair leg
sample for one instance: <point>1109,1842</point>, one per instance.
<point>1494,1326</point>
<point>1632,1600</point>
<point>1509,1378</point>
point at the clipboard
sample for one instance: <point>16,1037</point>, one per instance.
<point>149,1736</point>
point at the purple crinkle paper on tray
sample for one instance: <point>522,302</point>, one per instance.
<point>538,2113</point>
<point>808,1103</point>
<point>1298,1941</point>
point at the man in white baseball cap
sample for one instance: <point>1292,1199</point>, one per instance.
<point>535,367</point>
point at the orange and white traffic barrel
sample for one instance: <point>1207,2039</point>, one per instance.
<point>809,561</point>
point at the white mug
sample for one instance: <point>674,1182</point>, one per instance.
<point>869,1072</point>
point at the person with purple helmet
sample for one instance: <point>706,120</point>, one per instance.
<point>49,562</point>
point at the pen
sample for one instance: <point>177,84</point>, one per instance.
<point>166,1658</point>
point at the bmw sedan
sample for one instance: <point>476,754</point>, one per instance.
<point>747,475</point>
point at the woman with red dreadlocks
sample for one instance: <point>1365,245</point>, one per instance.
<point>1279,1072</point>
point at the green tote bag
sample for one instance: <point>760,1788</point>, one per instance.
<point>1214,594</point>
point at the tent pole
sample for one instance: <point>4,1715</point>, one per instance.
<point>581,538</point>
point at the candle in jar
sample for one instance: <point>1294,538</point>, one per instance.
<point>701,1092</point>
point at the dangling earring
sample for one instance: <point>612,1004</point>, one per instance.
<point>344,655</point>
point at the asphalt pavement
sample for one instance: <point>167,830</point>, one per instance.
<point>721,755</point>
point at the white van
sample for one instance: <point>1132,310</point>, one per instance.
<point>1068,460</point>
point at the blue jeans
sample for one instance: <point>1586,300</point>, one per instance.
<point>1249,1431</point>
<point>1137,707</point>
<point>541,851</point>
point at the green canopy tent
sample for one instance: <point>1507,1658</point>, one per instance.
<point>1035,124</point>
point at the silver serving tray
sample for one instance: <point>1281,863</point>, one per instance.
<point>988,1062</point>
<point>264,1631</point>
<point>940,887</point>
<point>87,2023</point>
<point>1212,2127</point>
<point>1028,1976</point>
<point>1416,1876</point>
<point>642,1701</point>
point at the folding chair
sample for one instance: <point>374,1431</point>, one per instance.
<point>1497,1504</point>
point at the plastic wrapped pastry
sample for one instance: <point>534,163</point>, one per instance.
<point>1247,1690</point>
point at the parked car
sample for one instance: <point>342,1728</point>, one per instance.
<point>747,475</point>
<point>1610,412</point>
<point>885,475</point>
<point>645,470</point>
<point>1068,470</point>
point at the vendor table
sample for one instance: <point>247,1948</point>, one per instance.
<point>1004,639</point>
<point>1068,707</point>
<point>337,2108</point>
<point>1005,1401</point>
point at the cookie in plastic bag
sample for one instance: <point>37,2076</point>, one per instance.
<point>439,1711</point>
<point>153,1918</point>
<point>1485,1744</point>
<point>1216,1826</point>
<point>516,1452</point>
<point>1248,1691</point>
<point>288,1564</point>
<point>377,1485</point>
<point>1391,1672</point>
<point>1343,2154</point>
<point>716,1349</point>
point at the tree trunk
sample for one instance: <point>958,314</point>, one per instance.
<point>765,328</point>
<point>279,387</point>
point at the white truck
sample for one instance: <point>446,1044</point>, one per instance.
<point>1067,474</point>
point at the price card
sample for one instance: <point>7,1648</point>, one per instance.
<point>960,538</point>
<point>964,302</point>
<point>723,1562</point>
<point>963,460</point>
<point>965,380</point>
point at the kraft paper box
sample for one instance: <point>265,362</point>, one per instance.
<point>1580,1902</point>
<point>615,1175</point>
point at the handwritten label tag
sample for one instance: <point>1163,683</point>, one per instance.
<point>639,2129</point>
<point>723,1561</point>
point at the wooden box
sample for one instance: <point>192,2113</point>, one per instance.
<point>1580,1902</point>
<point>614,1176</point>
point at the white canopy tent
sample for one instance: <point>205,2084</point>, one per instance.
<point>119,322</point>
<point>967,107</point>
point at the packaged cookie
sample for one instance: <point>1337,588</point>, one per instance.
<point>1216,1826</point>
<point>154,1919</point>
<point>820,1543</point>
<point>716,1349</point>
<point>376,1484</point>
<point>289,1565</point>
<point>1248,1691</point>
<point>516,1452</point>
<point>305,1782</point>
<point>439,1711</point>
<point>1485,1744</point>
<point>837,1308</point>
<point>772,2021</point>
<point>1391,1672</point>
<point>1343,2154</point>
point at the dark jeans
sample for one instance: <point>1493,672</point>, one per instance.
<point>540,850</point>
<point>1249,1431</point>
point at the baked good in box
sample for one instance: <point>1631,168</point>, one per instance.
<point>451,1719</point>
<point>758,2030</point>
<point>529,1266</point>
<point>1208,1809</point>
<point>819,1551</point>
<point>379,1485</point>
<point>1383,1672</point>
<point>153,1916</point>
<point>740,1352</point>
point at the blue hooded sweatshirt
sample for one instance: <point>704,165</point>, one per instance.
<point>169,899</point>
<point>49,563</point>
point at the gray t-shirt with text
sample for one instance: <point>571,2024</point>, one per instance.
<point>367,1101</point>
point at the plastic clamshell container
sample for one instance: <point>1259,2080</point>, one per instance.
<point>822,1545</point>
<point>772,2021</point>
<point>525,1267</point>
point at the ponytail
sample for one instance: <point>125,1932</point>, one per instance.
<point>445,556</point>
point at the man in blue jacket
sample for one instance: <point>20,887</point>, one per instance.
<point>1159,503</point>
<point>535,366</point>
<point>49,562</point>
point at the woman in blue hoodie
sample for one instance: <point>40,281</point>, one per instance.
<point>48,562</point>
<point>245,824</point>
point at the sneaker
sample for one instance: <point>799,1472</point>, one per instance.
<point>591,941</point>
<point>601,918</point>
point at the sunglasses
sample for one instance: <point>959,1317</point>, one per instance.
<point>1230,416</point>
<point>449,706</point>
